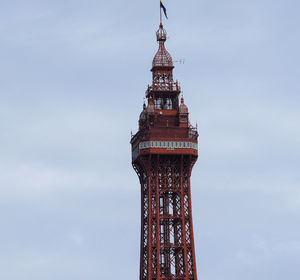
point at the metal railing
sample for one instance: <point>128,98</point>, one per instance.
<point>163,86</point>
<point>193,133</point>
<point>164,133</point>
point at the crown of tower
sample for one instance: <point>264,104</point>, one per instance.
<point>162,57</point>
<point>164,126</point>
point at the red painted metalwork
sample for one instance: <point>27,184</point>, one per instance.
<point>164,150</point>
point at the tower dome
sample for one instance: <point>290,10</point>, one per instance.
<point>162,57</point>
<point>151,107</point>
<point>183,109</point>
<point>143,113</point>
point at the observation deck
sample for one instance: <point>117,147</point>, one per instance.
<point>165,141</point>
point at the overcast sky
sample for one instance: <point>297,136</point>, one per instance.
<point>72,80</point>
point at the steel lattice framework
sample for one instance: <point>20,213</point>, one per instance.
<point>164,151</point>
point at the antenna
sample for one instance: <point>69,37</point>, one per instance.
<point>180,61</point>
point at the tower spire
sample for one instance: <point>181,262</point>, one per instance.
<point>162,58</point>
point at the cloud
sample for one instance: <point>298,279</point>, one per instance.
<point>76,238</point>
<point>55,148</point>
<point>72,84</point>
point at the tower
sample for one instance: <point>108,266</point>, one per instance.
<point>164,150</point>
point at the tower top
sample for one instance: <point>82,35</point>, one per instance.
<point>162,57</point>
<point>164,126</point>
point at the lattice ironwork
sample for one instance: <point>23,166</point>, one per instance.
<point>167,247</point>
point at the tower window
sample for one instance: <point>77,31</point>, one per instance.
<point>158,103</point>
<point>168,104</point>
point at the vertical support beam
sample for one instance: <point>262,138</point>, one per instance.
<point>157,218</point>
<point>183,220</point>
<point>148,172</point>
<point>142,226</point>
<point>191,219</point>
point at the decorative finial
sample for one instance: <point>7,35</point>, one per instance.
<point>182,99</point>
<point>183,109</point>
<point>150,100</point>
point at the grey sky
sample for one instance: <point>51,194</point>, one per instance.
<point>72,81</point>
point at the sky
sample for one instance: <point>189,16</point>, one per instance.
<point>73,75</point>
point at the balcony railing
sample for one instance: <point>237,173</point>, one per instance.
<point>164,133</point>
<point>163,86</point>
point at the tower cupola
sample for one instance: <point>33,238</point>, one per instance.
<point>183,109</point>
<point>162,57</point>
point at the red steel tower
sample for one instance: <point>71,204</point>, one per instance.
<point>164,150</point>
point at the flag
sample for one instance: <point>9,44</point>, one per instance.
<point>164,8</point>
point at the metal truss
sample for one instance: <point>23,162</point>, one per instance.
<point>167,242</point>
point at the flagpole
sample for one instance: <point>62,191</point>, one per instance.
<point>160,15</point>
